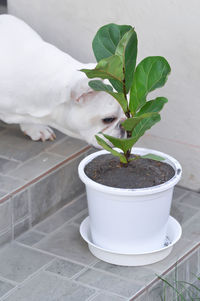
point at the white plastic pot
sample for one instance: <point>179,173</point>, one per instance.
<point>129,220</point>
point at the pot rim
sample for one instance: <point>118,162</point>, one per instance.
<point>128,191</point>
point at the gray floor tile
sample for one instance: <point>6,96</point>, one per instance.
<point>68,243</point>
<point>179,192</point>
<point>109,283</point>
<point>60,187</point>
<point>21,227</point>
<point>192,230</point>
<point>192,267</point>
<point>182,213</point>
<point>104,297</point>
<point>46,287</point>
<point>44,194</point>
<point>18,262</point>
<point>30,238</point>
<point>157,292</point>
<point>68,147</point>
<point>20,205</point>
<point>80,218</point>
<point>65,268</point>
<point>191,199</point>
<point>193,293</point>
<point>136,274</point>
<point>36,166</point>
<point>7,165</point>
<point>5,237</point>
<point>5,287</point>
<point>9,184</point>
<point>61,217</point>
<point>5,215</point>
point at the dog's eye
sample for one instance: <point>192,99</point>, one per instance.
<point>109,120</point>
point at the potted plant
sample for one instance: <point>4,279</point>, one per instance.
<point>129,190</point>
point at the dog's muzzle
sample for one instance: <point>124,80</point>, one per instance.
<point>122,130</point>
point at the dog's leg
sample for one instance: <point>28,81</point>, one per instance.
<point>37,131</point>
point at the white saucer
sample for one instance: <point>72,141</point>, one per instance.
<point>174,232</point>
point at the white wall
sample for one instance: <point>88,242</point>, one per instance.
<point>169,28</point>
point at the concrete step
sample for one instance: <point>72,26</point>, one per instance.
<point>36,178</point>
<point>52,262</point>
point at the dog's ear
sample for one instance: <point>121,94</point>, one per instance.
<point>80,91</point>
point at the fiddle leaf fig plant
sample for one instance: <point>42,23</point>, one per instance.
<point>115,49</point>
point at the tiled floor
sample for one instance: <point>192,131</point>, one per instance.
<point>36,178</point>
<point>52,263</point>
<point>22,160</point>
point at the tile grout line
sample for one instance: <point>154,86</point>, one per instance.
<point>29,208</point>
<point>55,154</point>
<point>51,254</point>
<point>37,231</point>
<point>10,159</point>
<point>98,289</point>
<point>12,217</point>
<point>15,283</point>
<point>96,294</point>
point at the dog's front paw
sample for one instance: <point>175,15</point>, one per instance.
<point>38,132</point>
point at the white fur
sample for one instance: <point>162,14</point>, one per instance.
<point>41,85</point>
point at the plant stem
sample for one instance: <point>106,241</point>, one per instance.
<point>127,155</point>
<point>128,115</point>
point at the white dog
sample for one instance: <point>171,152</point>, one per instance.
<point>41,86</point>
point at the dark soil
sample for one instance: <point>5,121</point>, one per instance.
<point>140,173</point>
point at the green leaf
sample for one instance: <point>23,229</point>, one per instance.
<point>145,125</point>
<point>123,144</point>
<point>105,43</point>
<point>107,38</point>
<point>153,157</point>
<point>130,123</point>
<point>110,149</point>
<point>150,74</point>
<point>109,68</point>
<point>127,50</point>
<point>98,85</point>
<point>154,105</point>
<point>121,100</point>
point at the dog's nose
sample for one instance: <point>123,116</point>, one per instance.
<point>122,130</point>
<point>120,123</point>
